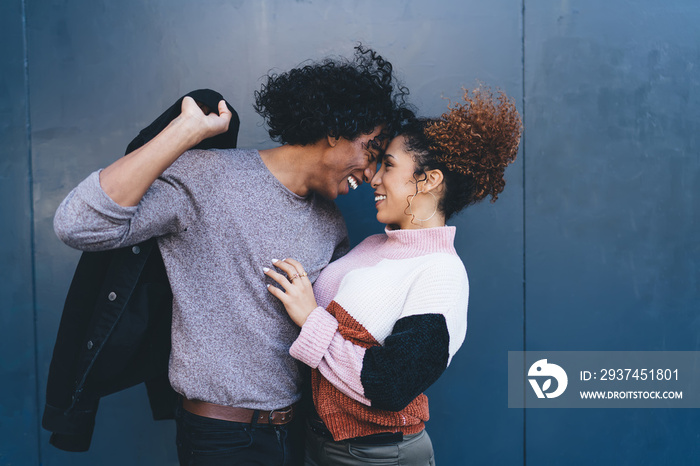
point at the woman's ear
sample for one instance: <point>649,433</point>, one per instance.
<point>433,180</point>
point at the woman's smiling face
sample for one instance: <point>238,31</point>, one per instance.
<point>394,184</point>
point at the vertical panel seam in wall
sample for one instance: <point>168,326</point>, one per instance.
<point>522,142</point>
<point>32,242</point>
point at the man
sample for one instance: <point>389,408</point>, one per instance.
<point>220,217</point>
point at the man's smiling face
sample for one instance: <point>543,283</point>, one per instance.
<point>347,164</point>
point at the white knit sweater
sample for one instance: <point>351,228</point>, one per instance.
<point>391,315</point>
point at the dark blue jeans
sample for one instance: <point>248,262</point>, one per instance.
<point>212,442</point>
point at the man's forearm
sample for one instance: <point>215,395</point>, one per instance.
<point>128,179</point>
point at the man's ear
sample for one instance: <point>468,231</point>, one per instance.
<point>433,180</point>
<point>332,141</point>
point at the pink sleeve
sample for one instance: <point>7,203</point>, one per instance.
<point>321,346</point>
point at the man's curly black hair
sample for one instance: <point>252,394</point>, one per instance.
<point>334,97</point>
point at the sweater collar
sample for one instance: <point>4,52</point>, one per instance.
<point>402,244</point>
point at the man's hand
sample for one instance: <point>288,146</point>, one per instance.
<point>204,123</point>
<point>128,178</point>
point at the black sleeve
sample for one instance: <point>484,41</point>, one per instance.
<point>412,358</point>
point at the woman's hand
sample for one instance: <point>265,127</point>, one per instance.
<point>298,295</point>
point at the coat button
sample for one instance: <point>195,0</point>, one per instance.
<point>136,249</point>
<point>89,344</point>
<point>112,296</point>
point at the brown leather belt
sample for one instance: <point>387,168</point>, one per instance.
<point>276,417</point>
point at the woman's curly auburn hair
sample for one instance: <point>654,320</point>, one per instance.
<point>334,97</point>
<point>471,144</point>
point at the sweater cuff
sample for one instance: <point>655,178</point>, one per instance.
<point>99,200</point>
<point>315,337</point>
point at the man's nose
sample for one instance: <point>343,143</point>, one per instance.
<point>369,172</point>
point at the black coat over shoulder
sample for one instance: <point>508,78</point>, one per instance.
<point>115,327</point>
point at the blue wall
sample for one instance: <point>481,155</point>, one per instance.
<point>592,246</point>
<point>612,211</point>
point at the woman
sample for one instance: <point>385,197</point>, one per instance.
<point>386,319</point>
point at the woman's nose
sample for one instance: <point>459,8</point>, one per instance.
<point>376,179</point>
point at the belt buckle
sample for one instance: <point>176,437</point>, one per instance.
<point>288,410</point>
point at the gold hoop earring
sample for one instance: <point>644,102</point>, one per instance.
<point>410,207</point>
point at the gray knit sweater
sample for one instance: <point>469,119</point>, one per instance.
<point>220,217</point>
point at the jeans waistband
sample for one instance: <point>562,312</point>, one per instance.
<point>319,428</point>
